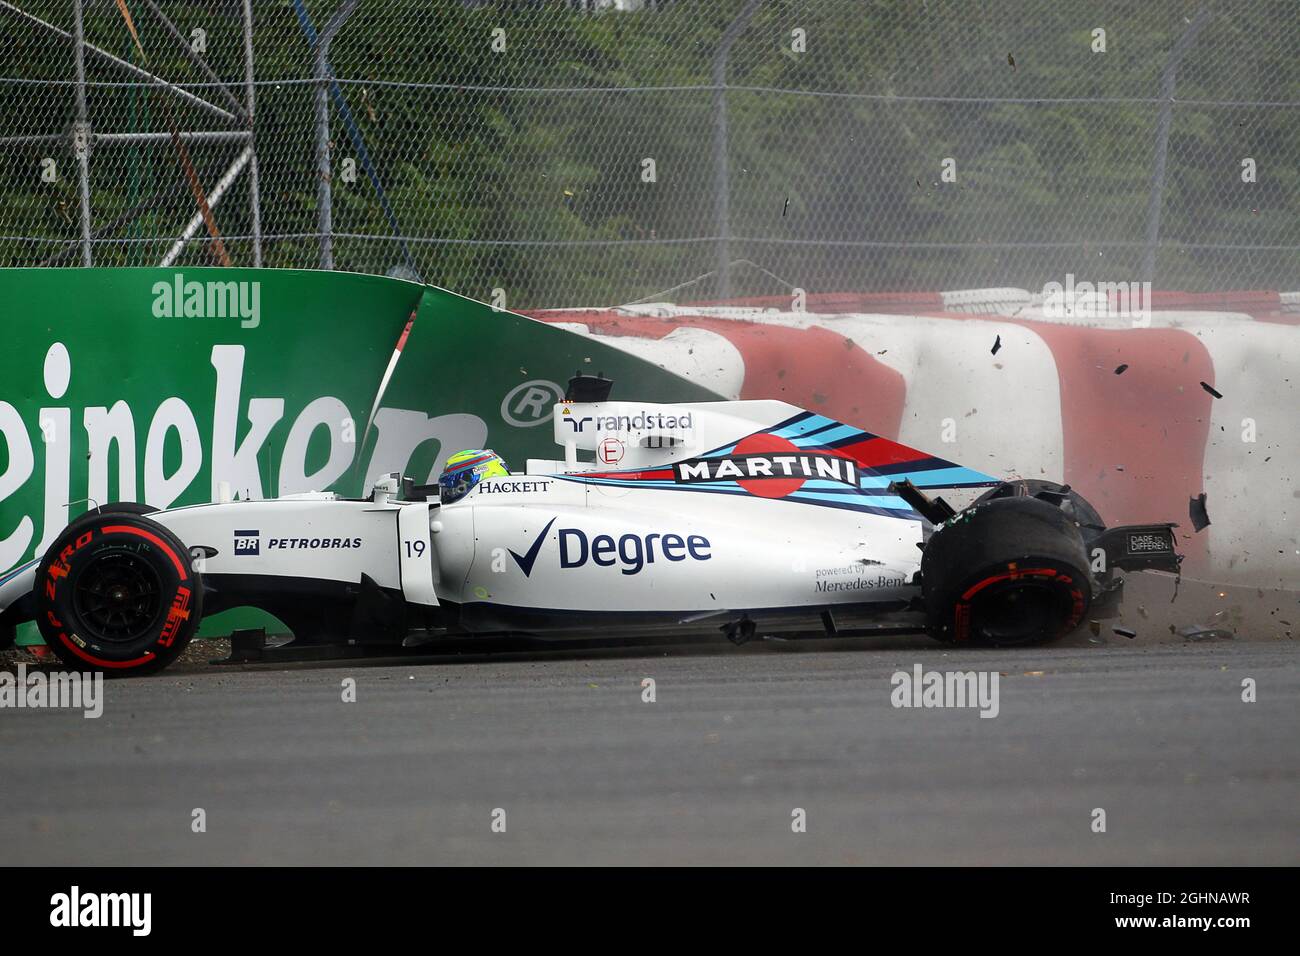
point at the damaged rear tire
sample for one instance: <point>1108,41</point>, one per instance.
<point>1008,571</point>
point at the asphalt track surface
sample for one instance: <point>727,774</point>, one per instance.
<point>711,772</point>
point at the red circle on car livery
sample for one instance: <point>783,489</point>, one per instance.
<point>768,487</point>
<point>611,451</point>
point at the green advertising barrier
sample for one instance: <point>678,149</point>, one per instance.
<point>176,386</point>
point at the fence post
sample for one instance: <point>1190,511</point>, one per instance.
<point>254,195</point>
<point>81,129</point>
<point>721,175</point>
<point>324,210</point>
<point>1155,198</point>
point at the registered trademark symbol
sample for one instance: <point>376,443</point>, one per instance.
<point>530,404</point>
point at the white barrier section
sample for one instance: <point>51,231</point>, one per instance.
<point>1253,452</point>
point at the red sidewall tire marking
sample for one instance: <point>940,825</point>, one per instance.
<point>962,612</point>
<point>99,662</point>
<point>1013,576</point>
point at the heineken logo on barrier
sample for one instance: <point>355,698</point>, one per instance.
<point>213,299</point>
<point>234,437</point>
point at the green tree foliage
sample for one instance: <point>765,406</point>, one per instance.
<point>524,168</point>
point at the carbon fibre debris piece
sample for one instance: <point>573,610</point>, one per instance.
<point>1196,511</point>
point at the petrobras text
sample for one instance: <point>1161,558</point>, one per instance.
<point>312,544</point>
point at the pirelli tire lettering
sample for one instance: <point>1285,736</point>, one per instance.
<point>116,592</point>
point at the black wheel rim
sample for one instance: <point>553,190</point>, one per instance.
<point>1024,612</point>
<point>117,597</point>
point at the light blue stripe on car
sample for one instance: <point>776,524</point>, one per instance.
<point>885,502</point>
<point>828,436</point>
<point>810,424</point>
<point>9,576</point>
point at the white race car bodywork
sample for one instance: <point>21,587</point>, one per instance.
<point>562,546</point>
<point>692,516</point>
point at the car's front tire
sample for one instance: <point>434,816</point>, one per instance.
<point>116,593</point>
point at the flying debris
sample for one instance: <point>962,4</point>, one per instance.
<point>1196,510</point>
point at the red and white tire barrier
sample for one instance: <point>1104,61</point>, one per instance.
<point>920,368</point>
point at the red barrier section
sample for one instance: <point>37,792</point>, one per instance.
<point>813,368</point>
<point>830,303</point>
<point>1153,421</point>
<point>1234,301</point>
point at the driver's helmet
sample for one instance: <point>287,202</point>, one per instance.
<point>465,469</point>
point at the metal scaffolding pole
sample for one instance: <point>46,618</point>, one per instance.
<point>197,219</point>
<point>190,136</point>
<point>254,193</point>
<point>323,194</point>
<point>1155,198</point>
<point>197,61</point>
<point>721,174</point>
<point>81,131</point>
<point>120,63</point>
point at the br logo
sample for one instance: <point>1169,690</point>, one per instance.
<point>247,543</point>
<point>530,404</point>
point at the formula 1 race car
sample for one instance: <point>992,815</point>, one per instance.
<point>747,518</point>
